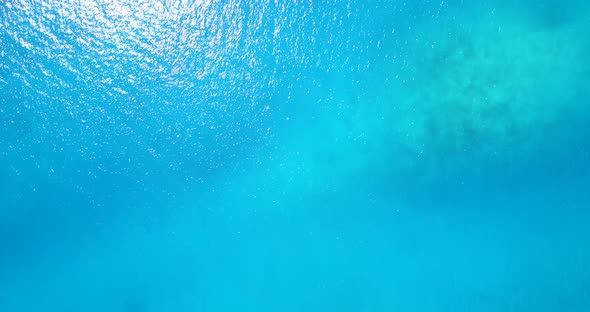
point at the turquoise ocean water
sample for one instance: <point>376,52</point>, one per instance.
<point>265,155</point>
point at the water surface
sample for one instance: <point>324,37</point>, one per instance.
<point>294,156</point>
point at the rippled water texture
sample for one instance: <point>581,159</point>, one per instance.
<point>254,155</point>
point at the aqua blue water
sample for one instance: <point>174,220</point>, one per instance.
<point>258,155</point>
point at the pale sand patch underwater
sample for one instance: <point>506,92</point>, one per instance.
<point>476,88</point>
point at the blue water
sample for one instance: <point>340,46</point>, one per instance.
<point>257,155</point>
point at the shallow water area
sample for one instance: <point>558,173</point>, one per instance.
<point>307,156</point>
